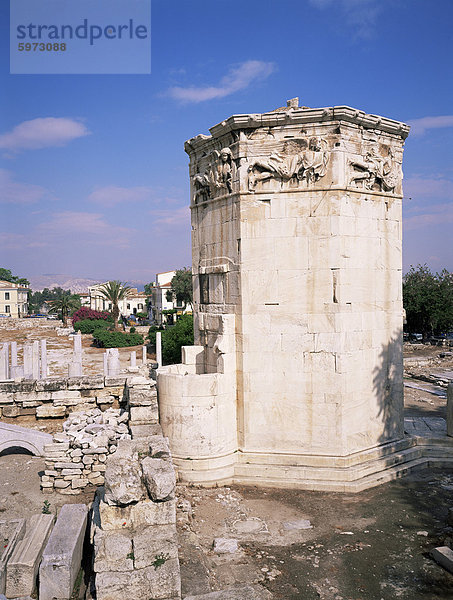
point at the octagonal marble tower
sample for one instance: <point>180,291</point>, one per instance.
<point>296,376</point>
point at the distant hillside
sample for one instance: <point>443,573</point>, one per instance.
<point>77,285</point>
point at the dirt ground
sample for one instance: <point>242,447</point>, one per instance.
<point>373,545</point>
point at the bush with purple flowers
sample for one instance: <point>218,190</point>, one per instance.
<point>93,315</point>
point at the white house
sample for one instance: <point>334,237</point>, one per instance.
<point>159,302</point>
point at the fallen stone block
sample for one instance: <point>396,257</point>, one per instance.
<point>62,556</point>
<point>158,447</point>
<point>225,546</point>
<point>444,556</point>
<point>11,532</point>
<point>23,564</point>
<point>242,592</point>
<point>159,476</point>
<point>123,477</point>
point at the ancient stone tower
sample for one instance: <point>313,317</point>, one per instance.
<point>296,376</point>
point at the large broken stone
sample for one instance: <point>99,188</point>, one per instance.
<point>159,476</point>
<point>62,556</point>
<point>123,477</point>
<point>23,565</point>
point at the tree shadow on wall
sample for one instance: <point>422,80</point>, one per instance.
<point>388,389</point>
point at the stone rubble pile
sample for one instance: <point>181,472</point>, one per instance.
<point>134,524</point>
<point>77,457</point>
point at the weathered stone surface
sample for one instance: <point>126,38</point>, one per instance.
<point>23,564</point>
<point>152,541</point>
<point>444,556</point>
<point>12,531</point>
<point>123,477</point>
<point>159,476</point>
<point>146,512</point>
<point>242,592</point>
<point>145,584</point>
<point>86,382</point>
<point>50,411</point>
<point>145,431</point>
<point>225,546</point>
<point>113,551</point>
<point>158,447</point>
<point>142,415</point>
<point>62,556</point>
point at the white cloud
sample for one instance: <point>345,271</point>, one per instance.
<point>86,228</point>
<point>359,14</point>
<point>111,195</point>
<point>437,214</point>
<point>418,187</point>
<point>12,241</point>
<point>422,125</point>
<point>15,192</point>
<point>42,133</point>
<point>172,217</point>
<point>238,78</point>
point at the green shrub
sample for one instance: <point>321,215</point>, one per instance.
<point>89,326</point>
<point>152,334</point>
<point>116,339</point>
<point>132,330</point>
<point>174,337</point>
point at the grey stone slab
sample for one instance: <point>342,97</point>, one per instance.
<point>243,592</point>
<point>444,556</point>
<point>22,567</point>
<point>123,482</point>
<point>62,556</point>
<point>145,431</point>
<point>11,532</point>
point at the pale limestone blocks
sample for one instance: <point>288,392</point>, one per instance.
<point>135,543</point>
<point>62,555</point>
<point>23,564</point>
<point>297,294</point>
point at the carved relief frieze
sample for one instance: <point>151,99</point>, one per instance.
<point>216,179</point>
<point>377,171</point>
<point>296,163</point>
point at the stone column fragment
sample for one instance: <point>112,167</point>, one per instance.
<point>23,565</point>
<point>62,556</point>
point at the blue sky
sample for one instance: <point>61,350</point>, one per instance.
<point>93,174</point>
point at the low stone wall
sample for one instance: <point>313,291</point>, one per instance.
<point>77,457</point>
<point>57,397</point>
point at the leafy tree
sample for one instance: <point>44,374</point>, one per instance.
<point>428,300</point>
<point>181,287</point>
<point>114,292</point>
<point>36,300</point>
<point>174,337</point>
<point>6,275</point>
<point>64,305</point>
